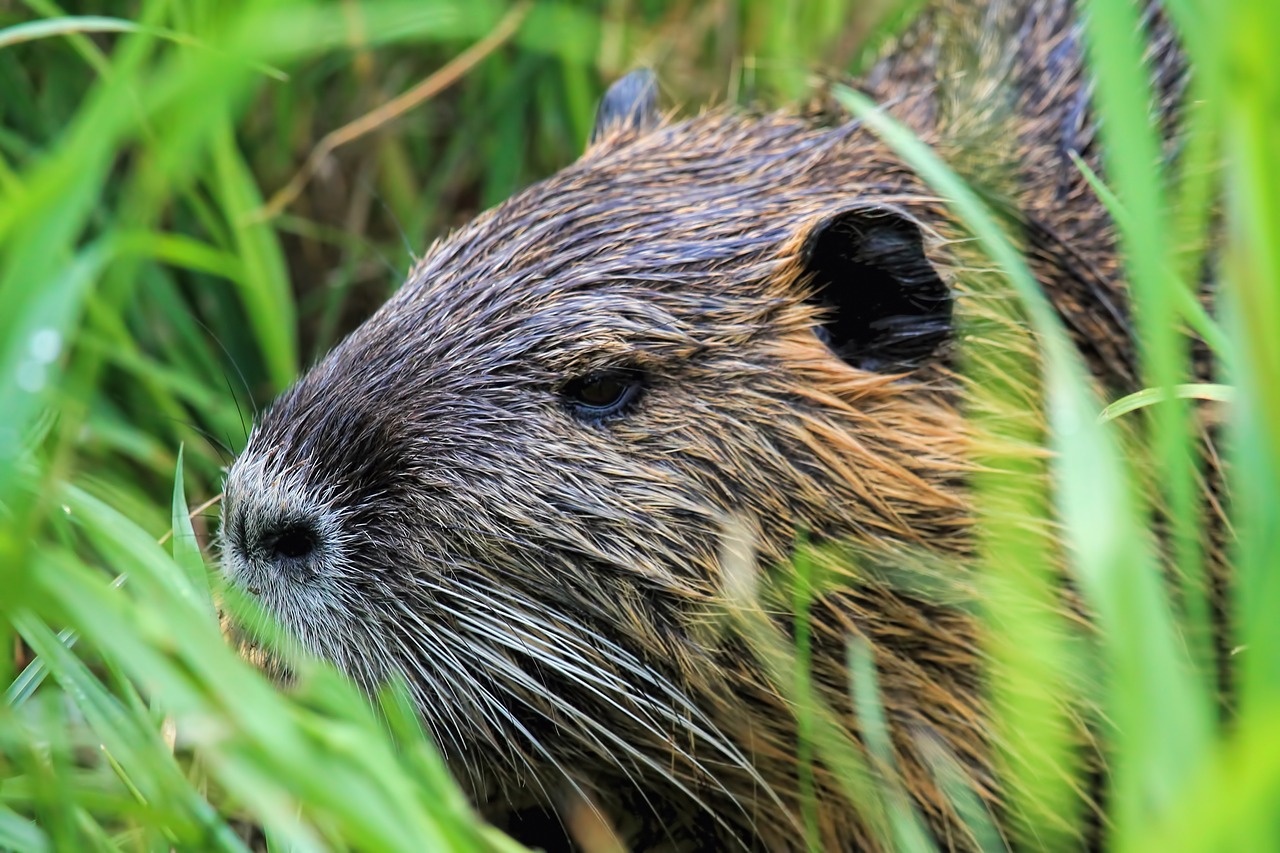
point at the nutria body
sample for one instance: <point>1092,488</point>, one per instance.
<point>513,483</point>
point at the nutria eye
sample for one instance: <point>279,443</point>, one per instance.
<point>598,395</point>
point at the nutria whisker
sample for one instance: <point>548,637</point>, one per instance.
<point>468,694</point>
<point>589,732</point>
<point>601,683</point>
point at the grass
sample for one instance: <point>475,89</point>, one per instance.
<point>149,307</point>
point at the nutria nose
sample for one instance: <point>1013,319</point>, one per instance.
<point>286,548</point>
<point>289,541</point>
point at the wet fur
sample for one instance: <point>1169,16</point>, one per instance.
<point>546,583</point>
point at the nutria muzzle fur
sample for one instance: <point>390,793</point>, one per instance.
<point>512,484</point>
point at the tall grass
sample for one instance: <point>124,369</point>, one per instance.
<point>148,305</point>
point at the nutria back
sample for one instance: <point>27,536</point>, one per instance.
<point>517,482</point>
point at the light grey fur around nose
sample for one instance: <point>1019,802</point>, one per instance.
<point>275,531</point>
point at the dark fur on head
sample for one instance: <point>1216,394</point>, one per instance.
<point>439,497</point>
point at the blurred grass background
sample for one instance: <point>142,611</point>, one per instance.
<point>148,307</point>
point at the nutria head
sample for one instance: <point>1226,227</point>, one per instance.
<point>510,484</point>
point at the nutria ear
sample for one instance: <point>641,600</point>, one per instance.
<point>630,104</point>
<point>885,308</point>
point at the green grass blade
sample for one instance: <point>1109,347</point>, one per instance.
<point>1252,269</point>
<point>186,548</point>
<point>1150,396</point>
<point>908,829</point>
<point>265,289</point>
<point>19,834</point>
<point>1132,152</point>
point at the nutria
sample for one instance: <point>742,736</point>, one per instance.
<point>512,484</point>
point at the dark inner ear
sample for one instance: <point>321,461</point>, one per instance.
<point>631,103</point>
<point>886,309</point>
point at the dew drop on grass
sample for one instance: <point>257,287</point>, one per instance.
<point>45,345</point>
<point>43,348</point>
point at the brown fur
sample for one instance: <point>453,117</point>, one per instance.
<point>552,587</point>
